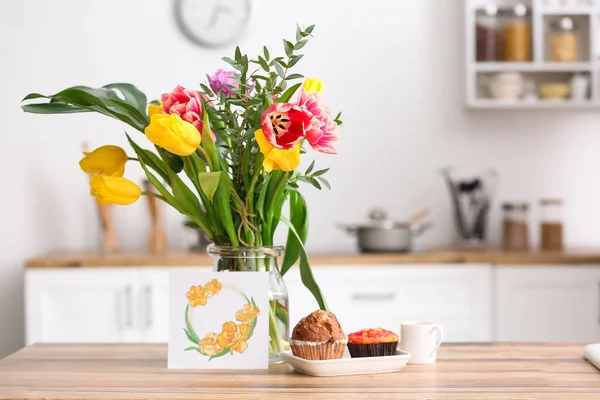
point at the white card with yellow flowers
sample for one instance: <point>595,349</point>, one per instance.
<point>219,320</point>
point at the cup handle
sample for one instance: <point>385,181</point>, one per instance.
<point>440,333</point>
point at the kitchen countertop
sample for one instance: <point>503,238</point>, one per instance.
<point>138,371</point>
<point>448,256</point>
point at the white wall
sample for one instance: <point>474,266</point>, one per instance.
<point>394,67</point>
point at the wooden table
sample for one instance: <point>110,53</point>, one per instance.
<point>481,371</point>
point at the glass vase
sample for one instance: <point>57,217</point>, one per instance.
<point>256,259</point>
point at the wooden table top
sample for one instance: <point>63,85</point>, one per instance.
<point>443,256</point>
<point>134,371</point>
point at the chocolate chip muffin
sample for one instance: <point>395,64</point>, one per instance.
<point>318,336</point>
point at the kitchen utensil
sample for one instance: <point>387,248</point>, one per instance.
<point>383,235</point>
<point>157,240</point>
<point>579,87</point>
<point>471,199</point>
<point>554,90</point>
<point>349,366</point>
<point>418,216</point>
<point>504,85</point>
<point>107,225</point>
<point>421,340</point>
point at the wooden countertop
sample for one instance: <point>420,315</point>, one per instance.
<point>131,371</point>
<point>578,257</point>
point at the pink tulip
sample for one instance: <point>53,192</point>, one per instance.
<point>223,81</point>
<point>285,124</point>
<point>185,103</point>
<point>321,133</point>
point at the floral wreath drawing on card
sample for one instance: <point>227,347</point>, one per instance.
<point>234,336</point>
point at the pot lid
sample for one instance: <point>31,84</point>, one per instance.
<point>378,218</point>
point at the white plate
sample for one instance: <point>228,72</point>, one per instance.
<point>348,366</point>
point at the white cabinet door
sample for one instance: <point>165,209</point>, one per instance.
<point>456,297</point>
<point>547,304</point>
<point>81,305</point>
<point>153,302</point>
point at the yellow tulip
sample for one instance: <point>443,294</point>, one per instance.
<point>173,134</point>
<point>114,190</point>
<point>312,85</point>
<point>154,109</point>
<point>285,160</point>
<point>105,160</point>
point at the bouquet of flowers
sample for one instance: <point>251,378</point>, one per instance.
<point>225,156</point>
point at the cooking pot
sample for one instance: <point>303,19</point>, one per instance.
<point>382,235</point>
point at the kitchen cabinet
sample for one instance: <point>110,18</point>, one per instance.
<point>67,305</point>
<point>456,297</point>
<point>547,304</point>
<point>130,304</point>
<point>99,305</point>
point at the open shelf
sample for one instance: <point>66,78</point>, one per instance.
<point>491,104</point>
<point>581,54</point>
<point>532,66</point>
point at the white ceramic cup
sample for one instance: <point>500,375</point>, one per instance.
<point>421,340</point>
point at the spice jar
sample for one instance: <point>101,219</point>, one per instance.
<point>564,40</point>
<point>487,35</point>
<point>517,35</point>
<point>551,224</point>
<point>515,228</point>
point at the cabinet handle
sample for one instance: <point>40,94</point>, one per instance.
<point>374,296</point>
<point>128,308</point>
<point>598,302</point>
<point>148,293</point>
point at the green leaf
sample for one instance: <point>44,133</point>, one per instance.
<point>289,93</point>
<point>289,48</point>
<point>294,60</point>
<point>310,168</point>
<point>324,182</point>
<point>209,181</point>
<point>314,182</point>
<point>53,108</point>
<point>208,144</point>
<point>238,54</point>
<point>308,279</point>
<point>175,161</point>
<point>300,44</point>
<point>299,219</point>
<point>260,204</point>
<point>190,330</point>
<point>192,347</point>
<point>221,354</point>
<point>149,158</point>
<point>320,172</point>
<point>263,63</point>
<point>310,29</point>
<point>266,53</point>
<point>279,69</point>
<point>132,95</point>
<point>294,76</point>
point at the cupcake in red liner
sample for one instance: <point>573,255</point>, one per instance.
<point>372,343</point>
<point>318,336</point>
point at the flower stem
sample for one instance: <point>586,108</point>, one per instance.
<point>273,329</point>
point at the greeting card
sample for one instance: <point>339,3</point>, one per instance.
<point>218,320</point>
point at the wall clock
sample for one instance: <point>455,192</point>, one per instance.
<point>212,23</point>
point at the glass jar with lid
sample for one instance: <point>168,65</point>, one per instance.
<point>517,34</point>
<point>564,40</point>
<point>487,34</point>
<point>551,224</point>
<point>515,226</point>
